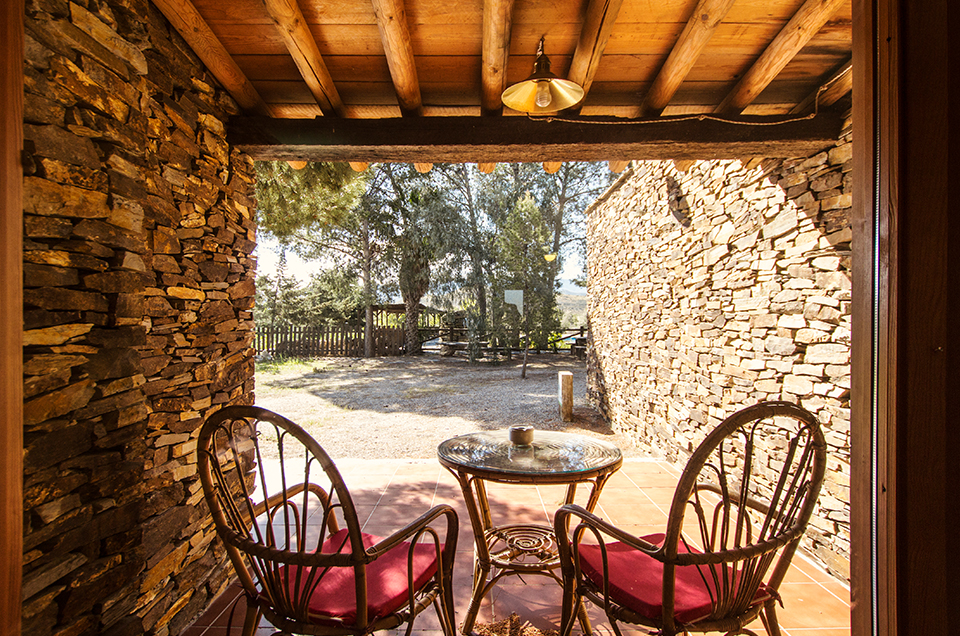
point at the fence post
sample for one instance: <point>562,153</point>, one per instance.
<point>565,395</point>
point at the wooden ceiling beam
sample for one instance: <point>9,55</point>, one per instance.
<point>303,49</point>
<point>552,167</point>
<point>804,24</point>
<point>497,24</point>
<point>693,39</point>
<point>511,139</point>
<point>836,86</point>
<point>395,35</point>
<point>617,167</point>
<point>190,24</point>
<point>486,168</point>
<point>597,25</point>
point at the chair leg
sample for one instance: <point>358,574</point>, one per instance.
<point>449,619</point>
<point>251,621</point>
<point>571,606</point>
<point>769,618</point>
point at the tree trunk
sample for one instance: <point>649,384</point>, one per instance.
<point>411,322</point>
<point>367,292</point>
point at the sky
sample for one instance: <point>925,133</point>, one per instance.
<point>268,256</point>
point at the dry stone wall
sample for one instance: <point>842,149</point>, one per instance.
<point>721,286</point>
<point>138,291</point>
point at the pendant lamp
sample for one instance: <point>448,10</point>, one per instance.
<point>542,92</point>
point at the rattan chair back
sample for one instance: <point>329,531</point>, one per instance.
<point>744,500</point>
<point>738,514</point>
<point>276,498</point>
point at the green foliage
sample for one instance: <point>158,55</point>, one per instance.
<point>332,297</point>
<point>422,224</point>
<point>318,197</point>
<point>454,233</point>
<point>521,246</point>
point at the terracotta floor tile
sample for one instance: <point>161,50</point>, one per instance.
<point>809,605</point>
<point>636,514</point>
<point>537,603</point>
<point>663,496</point>
<point>637,498</point>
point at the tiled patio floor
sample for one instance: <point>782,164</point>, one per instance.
<point>392,492</point>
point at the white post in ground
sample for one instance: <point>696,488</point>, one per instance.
<point>565,395</point>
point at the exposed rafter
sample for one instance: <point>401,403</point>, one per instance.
<point>359,166</point>
<point>486,168</point>
<point>188,22</point>
<point>305,53</point>
<point>510,139</point>
<point>836,86</point>
<point>617,166</point>
<point>392,22</point>
<point>497,23</point>
<point>699,29</point>
<point>551,167</point>
<point>804,24</point>
<point>597,25</point>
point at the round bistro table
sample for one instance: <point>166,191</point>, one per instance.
<point>552,458</point>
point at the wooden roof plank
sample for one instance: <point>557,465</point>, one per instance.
<point>836,86</point>
<point>701,26</point>
<point>303,49</point>
<point>510,139</point>
<point>497,25</point>
<point>804,24</point>
<point>395,34</point>
<point>190,24</point>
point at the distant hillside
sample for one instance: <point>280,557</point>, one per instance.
<point>574,308</point>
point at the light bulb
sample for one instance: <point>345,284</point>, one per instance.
<point>543,98</point>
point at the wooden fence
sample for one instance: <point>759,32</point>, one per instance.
<point>326,340</point>
<point>315,340</point>
<point>347,341</point>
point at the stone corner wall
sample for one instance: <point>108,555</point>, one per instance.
<point>138,291</point>
<point>720,286</point>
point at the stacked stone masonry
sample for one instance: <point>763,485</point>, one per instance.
<point>138,277</point>
<point>719,286</point>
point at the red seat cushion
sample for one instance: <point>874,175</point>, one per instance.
<point>636,581</point>
<point>334,599</point>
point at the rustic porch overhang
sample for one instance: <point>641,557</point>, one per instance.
<point>511,139</point>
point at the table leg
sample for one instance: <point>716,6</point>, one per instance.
<point>475,497</point>
<point>480,573</point>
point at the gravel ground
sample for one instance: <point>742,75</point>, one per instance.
<point>404,407</point>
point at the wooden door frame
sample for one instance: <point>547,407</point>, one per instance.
<point>11,314</point>
<point>881,315</point>
<point>905,362</point>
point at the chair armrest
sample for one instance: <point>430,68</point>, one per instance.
<point>594,522</point>
<point>418,526</point>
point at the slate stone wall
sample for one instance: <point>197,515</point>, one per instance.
<point>138,290</point>
<point>716,287</point>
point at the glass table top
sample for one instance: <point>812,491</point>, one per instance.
<point>551,453</point>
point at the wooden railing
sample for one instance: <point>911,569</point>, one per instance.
<point>312,341</point>
<point>347,340</point>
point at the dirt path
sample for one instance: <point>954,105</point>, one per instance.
<point>404,407</point>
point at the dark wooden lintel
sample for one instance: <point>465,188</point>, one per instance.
<point>519,139</point>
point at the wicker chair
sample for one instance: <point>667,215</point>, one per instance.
<point>298,568</point>
<point>711,569</point>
